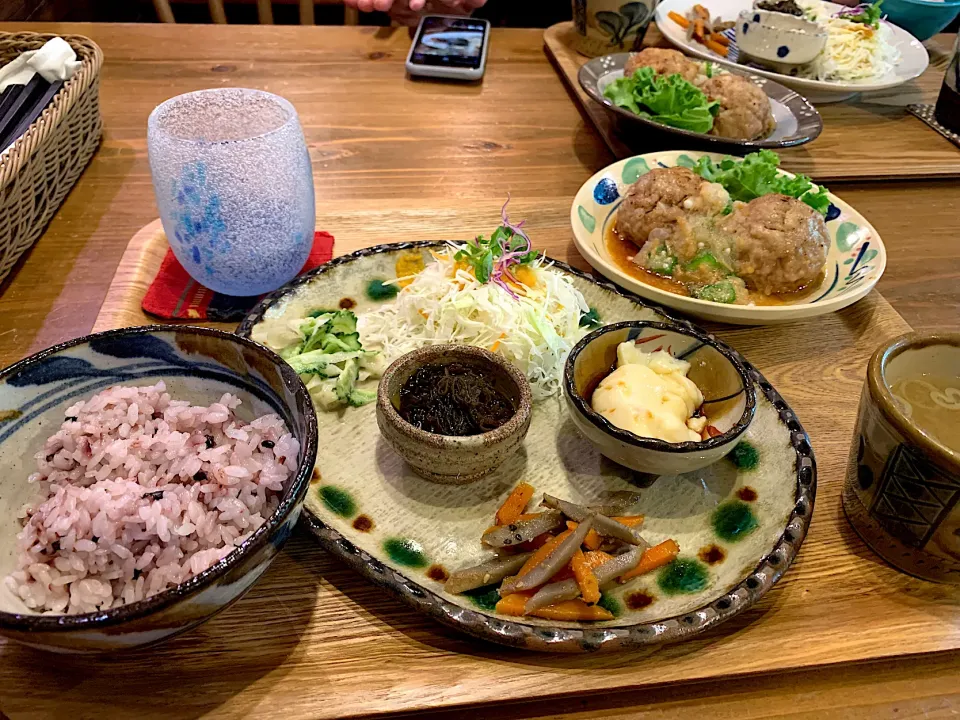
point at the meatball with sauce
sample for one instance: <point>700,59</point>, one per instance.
<point>664,62</point>
<point>662,198</point>
<point>780,243</point>
<point>744,107</point>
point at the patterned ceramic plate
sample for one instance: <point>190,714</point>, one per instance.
<point>739,524</point>
<point>913,56</point>
<point>798,122</point>
<point>855,260</point>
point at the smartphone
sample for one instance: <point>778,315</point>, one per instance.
<point>449,47</point>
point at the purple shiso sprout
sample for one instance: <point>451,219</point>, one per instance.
<point>854,11</point>
<point>508,258</point>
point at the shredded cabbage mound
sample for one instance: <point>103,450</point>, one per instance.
<point>445,303</point>
<point>853,52</point>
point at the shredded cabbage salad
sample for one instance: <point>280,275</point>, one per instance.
<point>533,322</point>
<point>855,50</point>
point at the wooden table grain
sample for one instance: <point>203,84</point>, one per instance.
<point>396,159</point>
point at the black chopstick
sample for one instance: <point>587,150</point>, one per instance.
<point>30,114</point>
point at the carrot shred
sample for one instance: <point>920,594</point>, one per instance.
<point>716,47</point>
<point>514,603</point>
<point>573,610</point>
<point>679,19</point>
<point>592,541</point>
<point>629,520</point>
<point>543,552</point>
<point>720,38</point>
<point>655,557</point>
<point>515,504</point>
<point>586,580</point>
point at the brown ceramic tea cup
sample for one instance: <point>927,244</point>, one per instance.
<point>902,497</point>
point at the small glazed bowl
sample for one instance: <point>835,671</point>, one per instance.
<point>779,39</point>
<point>445,459</point>
<point>729,397</point>
<point>902,498</point>
<point>921,18</point>
<point>198,365</point>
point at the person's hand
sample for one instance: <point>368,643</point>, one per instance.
<point>406,7</point>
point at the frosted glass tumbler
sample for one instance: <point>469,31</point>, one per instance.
<point>234,186</point>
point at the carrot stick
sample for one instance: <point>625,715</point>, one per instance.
<point>593,541</point>
<point>573,610</point>
<point>698,30</point>
<point>716,47</point>
<point>514,505</point>
<point>543,552</point>
<point>629,520</point>
<point>701,12</point>
<point>655,557</point>
<point>519,518</point>
<point>586,580</point>
<point>513,604</point>
<point>720,38</point>
<point>679,19</point>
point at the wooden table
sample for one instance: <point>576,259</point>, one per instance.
<point>393,159</point>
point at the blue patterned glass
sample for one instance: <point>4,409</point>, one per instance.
<point>234,186</point>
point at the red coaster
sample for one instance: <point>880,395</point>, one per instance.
<point>174,295</point>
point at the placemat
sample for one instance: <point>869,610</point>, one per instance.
<point>313,639</point>
<point>872,138</point>
<point>926,113</point>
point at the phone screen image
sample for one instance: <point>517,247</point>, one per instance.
<point>449,42</point>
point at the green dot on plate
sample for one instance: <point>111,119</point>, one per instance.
<point>847,236</point>
<point>634,169</point>
<point>406,552</point>
<point>686,161</point>
<point>485,598</point>
<point>683,575</point>
<point>745,456</point>
<point>338,501</point>
<point>734,520</point>
<point>378,290</point>
<point>588,220</point>
<point>610,604</point>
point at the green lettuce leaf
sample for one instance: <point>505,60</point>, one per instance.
<point>669,100</point>
<point>756,175</point>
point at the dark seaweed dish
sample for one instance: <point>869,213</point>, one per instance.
<point>453,399</point>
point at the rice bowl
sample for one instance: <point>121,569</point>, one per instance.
<point>142,491</point>
<point>203,368</point>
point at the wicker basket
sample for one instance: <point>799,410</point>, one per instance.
<point>44,163</point>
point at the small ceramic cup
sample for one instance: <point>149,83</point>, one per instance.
<point>729,397</point>
<point>609,26</point>
<point>777,39</point>
<point>446,459</point>
<point>903,494</point>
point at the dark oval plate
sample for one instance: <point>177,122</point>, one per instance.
<point>739,522</point>
<point>798,121</point>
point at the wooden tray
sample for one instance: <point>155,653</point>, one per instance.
<point>852,131</point>
<point>314,640</point>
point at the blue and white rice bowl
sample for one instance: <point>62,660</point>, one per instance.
<point>206,369</point>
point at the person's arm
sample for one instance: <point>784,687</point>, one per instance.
<point>409,7</point>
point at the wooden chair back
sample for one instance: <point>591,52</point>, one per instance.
<point>264,11</point>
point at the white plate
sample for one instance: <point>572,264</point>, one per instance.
<point>913,56</point>
<point>855,260</point>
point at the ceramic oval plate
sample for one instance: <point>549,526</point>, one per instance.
<point>798,121</point>
<point>913,56</point>
<point>855,260</point>
<point>739,524</point>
